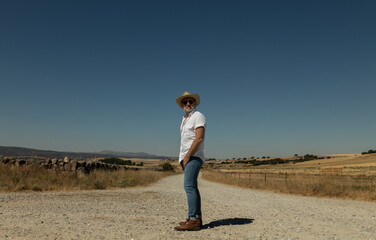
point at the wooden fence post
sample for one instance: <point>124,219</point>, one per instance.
<point>285,178</point>
<point>371,183</point>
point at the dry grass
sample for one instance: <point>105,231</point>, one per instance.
<point>348,176</point>
<point>353,164</point>
<point>360,187</point>
<point>34,178</point>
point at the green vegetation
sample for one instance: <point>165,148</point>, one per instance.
<point>276,161</point>
<point>119,161</point>
<point>369,151</point>
<point>167,167</point>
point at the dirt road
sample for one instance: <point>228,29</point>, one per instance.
<point>153,212</point>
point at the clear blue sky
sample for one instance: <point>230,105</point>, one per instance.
<point>275,77</point>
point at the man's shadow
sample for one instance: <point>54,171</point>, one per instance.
<point>227,222</point>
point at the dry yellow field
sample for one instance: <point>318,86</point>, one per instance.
<point>349,176</point>
<point>343,160</point>
<point>351,164</point>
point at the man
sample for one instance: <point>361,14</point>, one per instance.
<point>191,157</point>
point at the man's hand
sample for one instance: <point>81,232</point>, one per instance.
<point>185,161</point>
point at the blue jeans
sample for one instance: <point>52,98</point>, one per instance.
<point>191,172</point>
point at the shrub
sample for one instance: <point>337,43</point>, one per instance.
<point>117,161</point>
<point>23,188</point>
<point>369,151</point>
<point>167,167</point>
<point>99,185</point>
<point>36,188</point>
<point>16,179</point>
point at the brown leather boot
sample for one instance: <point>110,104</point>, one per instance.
<point>190,225</point>
<point>182,223</point>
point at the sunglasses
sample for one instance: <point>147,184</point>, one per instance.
<point>187,101</point>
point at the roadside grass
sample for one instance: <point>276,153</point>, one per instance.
<point>359,187</point>
<point>34,178</point>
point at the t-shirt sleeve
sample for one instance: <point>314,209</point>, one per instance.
<point>200,121</point>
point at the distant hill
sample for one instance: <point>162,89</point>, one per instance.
<point>129,154</point>
<point>20,151</point>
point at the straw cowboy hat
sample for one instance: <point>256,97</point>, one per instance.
<point>196,97</point>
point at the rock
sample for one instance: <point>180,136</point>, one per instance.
<point>5,160</point>
<point>74,165</point>
<point>20,162</point>
<point>66,160</point>
<point>68,166</point>
<point>81,164</point>
<point>31,162</point>
<point>81,172</point>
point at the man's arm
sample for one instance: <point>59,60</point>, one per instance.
<point>200,135</point>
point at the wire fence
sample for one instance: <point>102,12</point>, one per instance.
<point>285,176</point>
<point>333,184</point>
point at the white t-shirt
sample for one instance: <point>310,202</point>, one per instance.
<point>187,131</point>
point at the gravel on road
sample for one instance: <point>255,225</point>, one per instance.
<point>153,212</point>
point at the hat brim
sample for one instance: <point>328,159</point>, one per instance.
<point>194,96</point>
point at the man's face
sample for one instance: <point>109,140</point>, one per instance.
<point>188,104</point>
